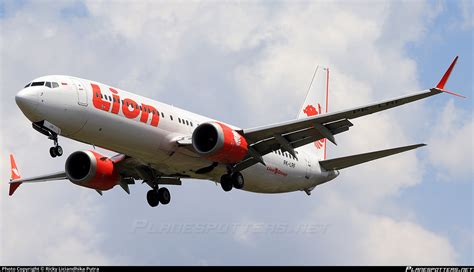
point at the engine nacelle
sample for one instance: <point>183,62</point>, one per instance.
<point>91,169</point>
<point>218,142</point>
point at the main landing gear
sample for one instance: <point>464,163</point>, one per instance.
<point>156,196</point>
<point>232,180</point>
<point>56,150</point>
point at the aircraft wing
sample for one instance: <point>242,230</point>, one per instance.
<point>344,162</point>
<point>43,178</point>
<point>128,168</point>
<point>292,134</point>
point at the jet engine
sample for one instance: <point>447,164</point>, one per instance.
<point>91,169</point>
<point>220,143</point>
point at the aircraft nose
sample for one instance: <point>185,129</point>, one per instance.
<point>27,100</point>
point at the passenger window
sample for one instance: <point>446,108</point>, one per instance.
<point>48,84</point>
<point>191,123</point>
<point>28,85</point>
<point>40,83</point>
<point>171,117</point>
<point>179,120</point>
<point>162,115</point>
<point>55,85</point>
<point>187,123</point>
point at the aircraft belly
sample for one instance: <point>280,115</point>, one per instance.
<point>274,178</point>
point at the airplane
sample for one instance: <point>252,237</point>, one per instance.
<point>160,144</point>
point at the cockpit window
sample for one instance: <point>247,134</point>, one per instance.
<point>39,83</point>
<point>43,83</point>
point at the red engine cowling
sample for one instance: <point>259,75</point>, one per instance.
<point>91,169</point>
<point>218,142</point>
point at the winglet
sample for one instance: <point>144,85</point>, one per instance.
<point>444,80</point>
<point>446,75</point>
<point>15,175</point>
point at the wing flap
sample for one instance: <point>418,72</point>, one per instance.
<point>344,162</point>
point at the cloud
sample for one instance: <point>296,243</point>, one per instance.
<point>466,7</point>
<point>376,239</point>
<point>452,143</point>
<point>245,63</point>
<point>50,233</point>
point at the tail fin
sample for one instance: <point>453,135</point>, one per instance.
<point>316,102</point>
<point>14,175</point>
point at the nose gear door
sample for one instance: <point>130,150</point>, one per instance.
<point>81,92</point>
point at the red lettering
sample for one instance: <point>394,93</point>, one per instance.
<point>97,100</point>
<point>130,108</point>
<point>126,110</point>
<point>116,99</point>
<point>155,118</point>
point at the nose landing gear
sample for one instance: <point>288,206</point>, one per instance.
<point>56,150</point>
<point>46,128</point>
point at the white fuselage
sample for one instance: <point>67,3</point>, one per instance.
<point>86,116</point>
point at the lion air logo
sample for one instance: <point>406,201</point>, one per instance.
<point>310,110</point>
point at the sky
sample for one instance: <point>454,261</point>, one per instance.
<point>249,63</point>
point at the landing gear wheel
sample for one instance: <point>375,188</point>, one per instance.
<point>58,150</point>
<point>226,183</point>
<point>237,180</point>
<point>164,196</point>
<point>52,152</point>
<point>152,198</point>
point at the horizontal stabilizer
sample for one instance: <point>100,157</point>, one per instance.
<point>344,162</point>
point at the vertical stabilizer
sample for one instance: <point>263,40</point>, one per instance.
<point>316,102</point>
